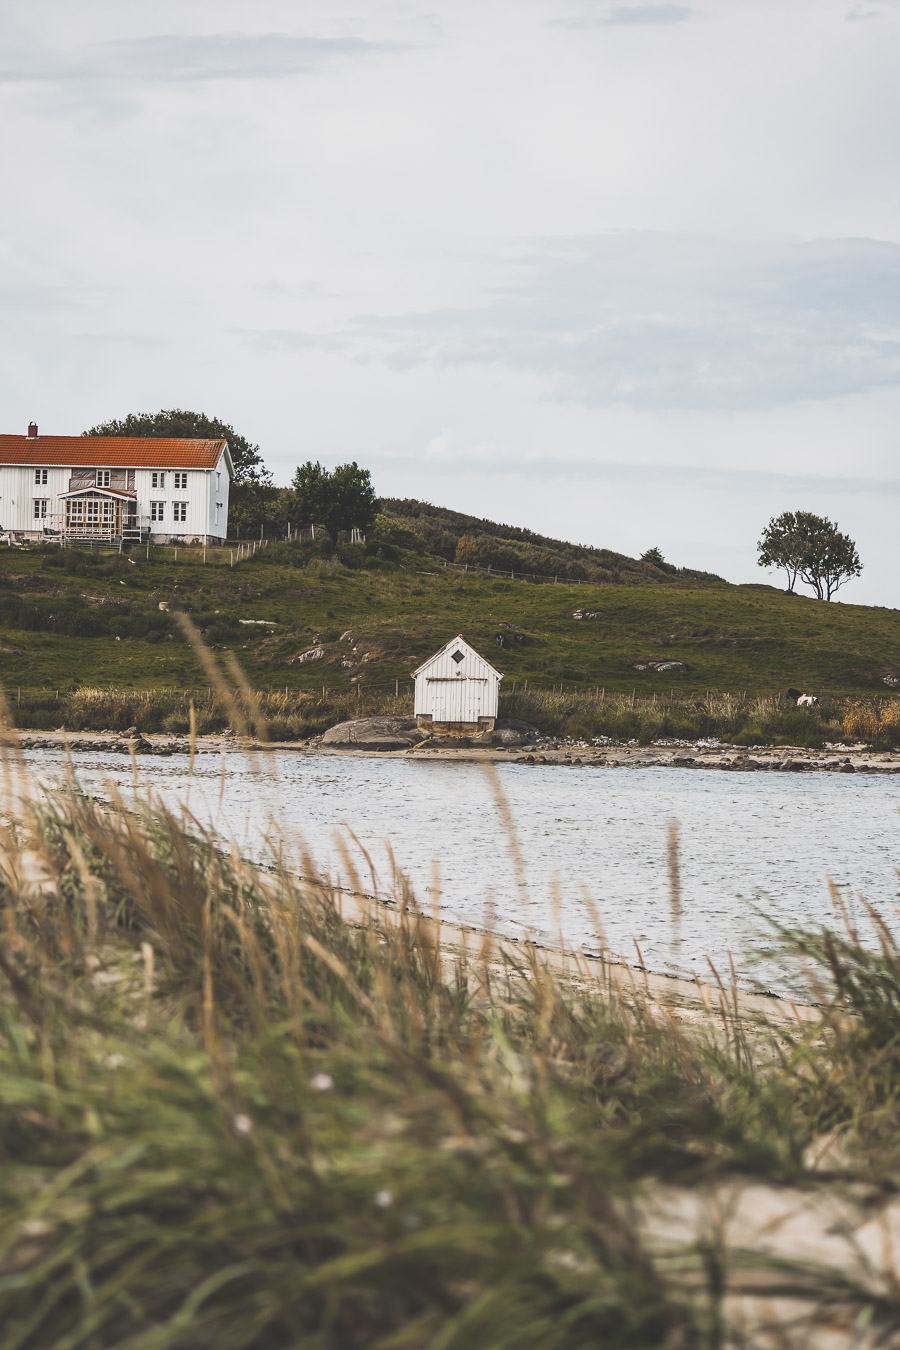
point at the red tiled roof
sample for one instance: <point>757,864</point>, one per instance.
<point>116,452</point>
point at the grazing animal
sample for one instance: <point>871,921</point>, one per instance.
<point>802,700</point>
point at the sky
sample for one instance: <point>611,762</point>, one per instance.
<point>626,273</point>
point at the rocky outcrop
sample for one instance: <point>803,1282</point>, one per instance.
<point>311,654</point>
<point>374,733</point>
<point>660,667</point>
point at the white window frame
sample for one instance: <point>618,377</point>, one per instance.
<point>179,511</point>
<point>103,477</point>
<point>40,508</point>
<point>157,511</point>
<point>92,510</point>
<point>40,476</point>
<point>158,480</point>
<point>181,482</point>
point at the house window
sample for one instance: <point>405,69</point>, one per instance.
<point>179,511</point>
<point>103,477</point>
<point>180,482</point>
<point>75,509</point>
<point>92,510</point>
<point>40,476</point>
<point>40,508</point>
<point>158,480</point>
<point>157,510</point>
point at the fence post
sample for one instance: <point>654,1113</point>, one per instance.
<point>396,689</point>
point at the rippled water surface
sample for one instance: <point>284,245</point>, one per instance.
<point>749,842</point>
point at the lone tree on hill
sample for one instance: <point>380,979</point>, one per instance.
<point>654,557</point>
<point>810,548</point>
<point>247,461</point>
<point>341,500</point>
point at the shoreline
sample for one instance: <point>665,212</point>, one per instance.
<point>729,758</point>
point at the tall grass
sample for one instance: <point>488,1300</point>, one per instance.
<point>294,714</point>
<point>737,718</point>
<point>235,1116</point>
<point>287,715</point>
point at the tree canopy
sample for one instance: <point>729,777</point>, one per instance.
<point>342,499</point>
<point>247,461</point>
<point>810,548</point>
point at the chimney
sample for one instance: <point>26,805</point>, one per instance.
<point>32,431</point>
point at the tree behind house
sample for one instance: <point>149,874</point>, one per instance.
<point>343,499</point>
<point>180,423</point>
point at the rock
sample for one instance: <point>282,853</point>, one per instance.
<point>130,733</point>
<point>586,614</point>
<point>311,654</point>
<point>659,667</point>
<point>846,768</point>
<point>164,605</point>
<point>892,681</point>
<point>375,733</point>
<point>510,731</point>
<point>346,637</point>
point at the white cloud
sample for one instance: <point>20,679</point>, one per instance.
<point>628,16</point>
<point>662,321</point>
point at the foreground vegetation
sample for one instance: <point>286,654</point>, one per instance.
<point>232,1117</point>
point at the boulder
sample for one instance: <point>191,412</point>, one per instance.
<point>374,733</point>
<point>510,731</point>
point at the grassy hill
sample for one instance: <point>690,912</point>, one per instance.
<point>69,619</point>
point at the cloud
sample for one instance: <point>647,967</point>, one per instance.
<point>170,58</point>
<point>862,10</point>
<point>662,321</point>
<point>617,16</point>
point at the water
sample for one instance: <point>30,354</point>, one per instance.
<point>749,842</point>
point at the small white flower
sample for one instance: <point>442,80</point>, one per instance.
<point>114,1061</point>
<point>242,1124</point>
<point>384,1199</point>
<point>321,1082</point>
<point>35,1228</point>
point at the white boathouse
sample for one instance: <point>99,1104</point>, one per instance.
<point>457,691</point>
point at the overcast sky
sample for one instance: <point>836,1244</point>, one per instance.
<point>626,273</point>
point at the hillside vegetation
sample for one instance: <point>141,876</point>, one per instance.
<point>355,621</point>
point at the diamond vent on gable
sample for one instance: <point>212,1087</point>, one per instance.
<point>457,656</point>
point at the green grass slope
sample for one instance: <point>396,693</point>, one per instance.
<point>69,620</point>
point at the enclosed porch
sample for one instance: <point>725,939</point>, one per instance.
<point>100,515</point>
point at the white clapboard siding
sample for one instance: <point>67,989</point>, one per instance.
<point>450,690</point>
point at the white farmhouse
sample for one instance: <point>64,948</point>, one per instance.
<point>457,690</point>
<point>107,489</point>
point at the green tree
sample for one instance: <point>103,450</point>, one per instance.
<point>247,461</point>
<point>811,548</point>
<point>343,499</point>
<point>830,559</point>
<point>654,557</point>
